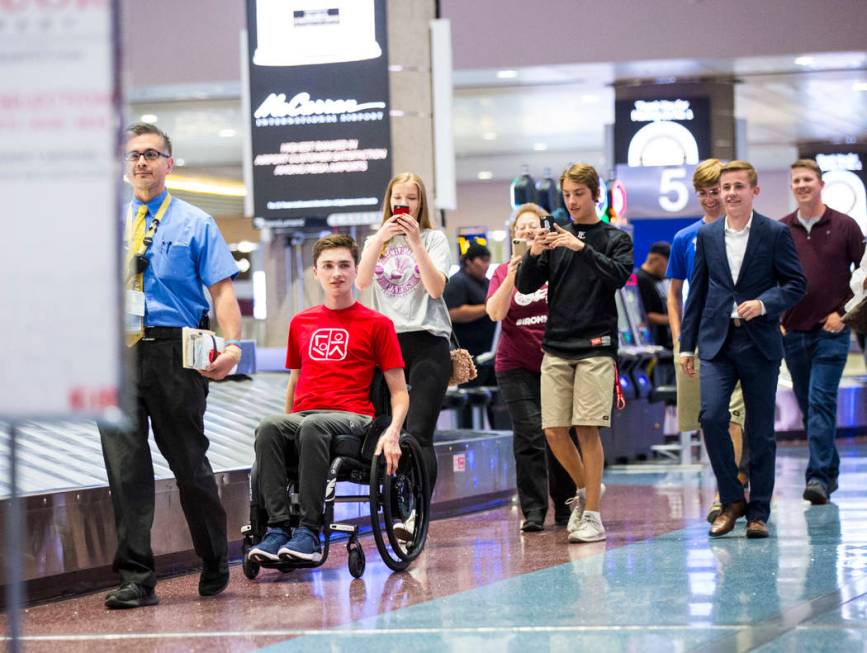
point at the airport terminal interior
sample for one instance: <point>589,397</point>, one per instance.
<point>488,101</point>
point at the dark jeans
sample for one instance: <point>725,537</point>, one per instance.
<point>428,367</point>
<point>816,360</point>
<point>740,359</point>
<point>302,442</point>
<point>173,399</point>
<point>536,468</point>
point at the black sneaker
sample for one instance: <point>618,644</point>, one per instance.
<point>214,578</point>
<point>815,492</point>
<point>131,595</point>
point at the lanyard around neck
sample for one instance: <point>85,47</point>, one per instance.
<point>155,223</point>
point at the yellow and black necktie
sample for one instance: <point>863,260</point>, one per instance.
<point>135,279</point>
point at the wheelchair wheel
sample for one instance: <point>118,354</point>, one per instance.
<point>404,496</point>
<point>250,568</point>
<point>357,563</point>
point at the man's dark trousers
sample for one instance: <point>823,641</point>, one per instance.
<point>174,399</point>
<point>740,359</point>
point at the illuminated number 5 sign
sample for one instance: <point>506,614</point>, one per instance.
<point>673,192</point>
<point>659,191</point>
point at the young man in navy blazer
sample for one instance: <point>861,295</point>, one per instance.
<point>746,274</point>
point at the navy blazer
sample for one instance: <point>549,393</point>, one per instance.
<point>771,272</point>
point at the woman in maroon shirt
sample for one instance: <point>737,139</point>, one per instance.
<point>518,363</point>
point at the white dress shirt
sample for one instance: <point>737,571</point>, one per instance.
<point>736,247</point>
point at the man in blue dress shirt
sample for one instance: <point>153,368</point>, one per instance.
<point>174,249</point>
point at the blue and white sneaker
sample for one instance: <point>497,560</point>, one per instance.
<point>304,545</point>
<point>267,549</point>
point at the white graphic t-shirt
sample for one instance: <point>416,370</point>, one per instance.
<point>398,291</point>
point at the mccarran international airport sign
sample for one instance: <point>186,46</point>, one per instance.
<point>319,108</point>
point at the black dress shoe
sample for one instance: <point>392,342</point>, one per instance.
<point>131,595</point>
<point>533,524</point>
<point>816,493</point>
<point>214,578</point>
<point>757,529</point>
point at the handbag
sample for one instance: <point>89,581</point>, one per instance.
<point>856,318</point>
<point>463,367</point>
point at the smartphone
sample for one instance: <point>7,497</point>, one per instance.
<point>547,222</point>
<point>519,246</point>
<point>397,210</point>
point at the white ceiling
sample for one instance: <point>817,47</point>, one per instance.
<point>562,111</point>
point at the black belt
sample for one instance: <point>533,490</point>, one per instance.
<point>162,333</point>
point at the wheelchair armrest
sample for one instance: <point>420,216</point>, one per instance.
<point>371,435</point>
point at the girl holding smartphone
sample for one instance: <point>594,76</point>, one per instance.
<point>518,368</point>
<point>407,262</point>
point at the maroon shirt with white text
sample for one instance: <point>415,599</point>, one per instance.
<point>520,344</point>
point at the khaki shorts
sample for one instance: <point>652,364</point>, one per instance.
<point>689,397</point>
<point>577,393</point>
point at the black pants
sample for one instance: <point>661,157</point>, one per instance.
<point>173,400</point>
<point>302,442</point>
<point>537,470</point>
<point>428,368</point>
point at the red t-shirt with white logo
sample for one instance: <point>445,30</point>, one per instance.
<point>520,344</point>
<point>337,353</point>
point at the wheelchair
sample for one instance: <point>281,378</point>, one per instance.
<point>396,499</point>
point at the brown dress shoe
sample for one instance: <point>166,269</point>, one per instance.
<point>757,529</point>
<point>725,522</point>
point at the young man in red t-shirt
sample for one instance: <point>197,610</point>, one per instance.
<point>332,353</point>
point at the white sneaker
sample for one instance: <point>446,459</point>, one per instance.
<point>590,529</point>
<point>577,504</point>
<point>404,531</point>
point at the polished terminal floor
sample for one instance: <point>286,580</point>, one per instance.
<point>657,584</point>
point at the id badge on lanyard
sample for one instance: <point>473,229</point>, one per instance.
<point>135,310</point>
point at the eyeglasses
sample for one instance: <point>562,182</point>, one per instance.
<point>149,155</point>
<point>713,192</point>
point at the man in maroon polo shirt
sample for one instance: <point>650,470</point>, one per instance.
<point>815,338</point>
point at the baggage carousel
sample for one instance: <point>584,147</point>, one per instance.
<point>70,536</point>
